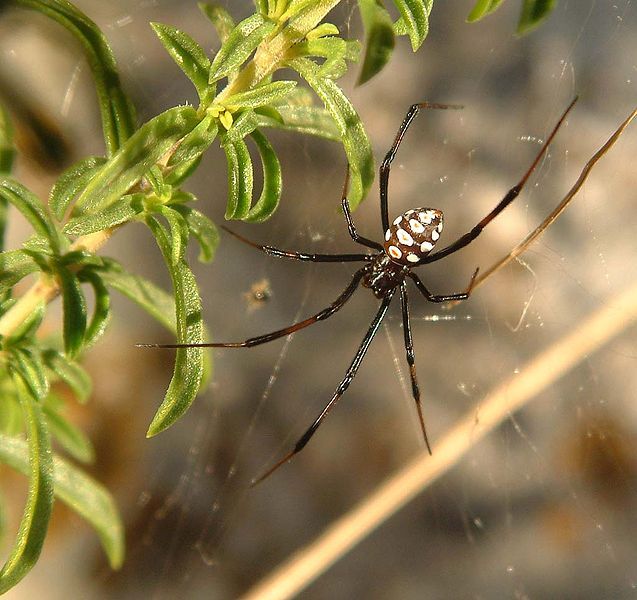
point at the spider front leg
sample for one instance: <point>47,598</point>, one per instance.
<point>305,256</point>
<point>509,197</point>
<point>351,228</point>
<point>444,297</point>
<point>411,359</point>
<point>385,166</point>
<point>340,390</point>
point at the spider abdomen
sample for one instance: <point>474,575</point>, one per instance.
<point>413,235</point>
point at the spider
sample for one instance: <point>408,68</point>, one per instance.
<point>408,243</point>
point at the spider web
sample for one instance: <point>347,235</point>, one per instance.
<point>544,506</point>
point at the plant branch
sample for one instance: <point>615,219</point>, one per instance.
<point>538,374</point>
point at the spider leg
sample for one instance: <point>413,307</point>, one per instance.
<point>411,359</point>
<point>351,228</point>
<point>557,211</point>
<point>385,166</point>
<point>445,297</point>
<point>268,337</point>
<point>342,386</point>
<point>511,195</point>
<point>272,251</point>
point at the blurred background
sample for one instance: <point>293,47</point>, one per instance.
<point>546,507</point>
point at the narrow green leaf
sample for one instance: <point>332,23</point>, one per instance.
<point>272,181</point>
<point>11,418</point>
<point>7,154</point>
<point>80,492</point>
<point>102,306</point>
<point>7,149</point>
<point>118,115</point>
<point>220,18</point>
<point>379,38</point>
<point>70,372</point>
<point>155,301</point>
<point>144,148</point>
<point>72,439</point>
<point>244,125</point>
<point>188,373</point>
<point>190,150</point>
<point>239,45</point>
<point>533,13</point>
<point>310,120</point>
<point>483,8</point>
<point>32,209</point>
<point>72,182</point>
<point>178,233</point>
<point>189,56</point>
<point>37,510</point>
<point>260,95</point>
<point>74,309</point>
<point>29,326</point>
<point>28,364</point>
<point>414,20</point>
<point>14,266</point>
<point>120,211</point>
<point>240,179</point>
<point>354,138</point>
<point>204,230</point>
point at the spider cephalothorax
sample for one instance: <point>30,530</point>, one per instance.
<point>408,243</point>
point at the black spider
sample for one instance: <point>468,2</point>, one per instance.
<point>408,243</point>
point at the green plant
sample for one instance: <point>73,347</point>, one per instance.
<point>139,180</point>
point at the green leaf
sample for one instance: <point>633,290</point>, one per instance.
<point>189,152</point>
<point>28,364</point>
<point>353,135</point>
<point>80,492</point>
<point>14,266</point>
<point>72,182</point>
<point>533,13</point>
<point>272,181</point>
<point>155,301</point>
<point>310,120</point>
<point>32,209</point>
<point>239,45</point>
<point>483,8</point>
<point>11,418</point>
<point>414,20</point>
<point>74,309</point>
<point>240,179</point>
<point>120,211</point>
<point>7,154</point>
<point>220,18</point>
<point>7,150</point>
<point>178,233</point>
<point>260,95</point>
<point>379,38</point>
<point>72,439</point>
<point>37,464</point>
<point>144,148</point>
<point>29,325</point>
<point>118,115</point>
<point>204,230</point>
<point>189,56</point>
<point>188,373</point>
<point>102,306</point>
<point>70,372</point>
